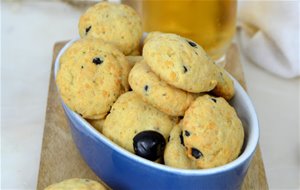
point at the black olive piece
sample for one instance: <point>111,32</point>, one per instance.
<point>98,60</point>
<point>196,153</point>
<point>149,145</point>
<point>186,133</point>
<point>146,87</point>
<point>193,44</point>
<point>181,139</point>
<point>180,117</point>
<point>87,30</point>
<point>213,99</point>
<point>185,69</point>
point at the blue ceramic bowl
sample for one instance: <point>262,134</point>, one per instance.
<point>121,169</point>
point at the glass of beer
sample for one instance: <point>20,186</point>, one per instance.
<point>210,23</point>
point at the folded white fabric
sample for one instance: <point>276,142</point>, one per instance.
<point>269,35</point>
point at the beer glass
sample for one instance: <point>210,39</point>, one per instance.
<point>210,23</point>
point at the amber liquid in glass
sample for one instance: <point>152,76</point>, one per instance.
<point>211,23</point>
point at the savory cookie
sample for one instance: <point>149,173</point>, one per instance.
<point>180,62</point>
<point>89,77</point>
<point>97,124</point>
<point>124,64</point>
<point>129,116</point>
<point>175,152</point>
<point>77,184</point>
<point>225,86</point>
<point>212,132</point>
<point>116,23</point>
<point>158,93</point>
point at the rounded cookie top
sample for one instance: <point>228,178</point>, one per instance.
<point>212,132</point>
<point>180,62</point>
<point>225,86</point>
<point>158,93</point>
<point>124,64</point>
<point>116,23</point>
<point>76,184</point>
<point>175,152</point>
<point>129,116</point>
<point>89,78</point>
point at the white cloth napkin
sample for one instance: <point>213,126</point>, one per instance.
<point>269,35</point>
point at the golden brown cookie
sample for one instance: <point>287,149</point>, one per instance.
<point>124,64</point>
<point>129,116</point>
<point>158,93</point>
<point>89,78</point>
<point>180,62</point>
<point>225,86</point>
<point>175,152</point>
<point>112,22</point>
<point>212,132</point>
<point>77,184</point>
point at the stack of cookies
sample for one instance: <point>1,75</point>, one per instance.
<point>162,98</point>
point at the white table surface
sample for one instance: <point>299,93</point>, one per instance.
<point>28,33</point>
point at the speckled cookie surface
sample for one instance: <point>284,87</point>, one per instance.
<point>76,184</point>
<point>175,152</point>
<point>212,132</point>
<point>89,78</point>
<point>225,86</point>
<point>180,62</point>
<point>124,64</point>
<point>158,93</point>
<point>129,116</point>
<point>116,23</point>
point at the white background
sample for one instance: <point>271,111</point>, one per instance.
<point>28,33</point>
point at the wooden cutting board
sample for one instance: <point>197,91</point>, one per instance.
<point>61,160</point>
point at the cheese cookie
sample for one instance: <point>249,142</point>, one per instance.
<point>89,77</point>
<point>180,62</point>
<point>116,23</point>
<point>131,119</point>
<point>77,184</point>
<point>158,93</point>
<point>212,132</point>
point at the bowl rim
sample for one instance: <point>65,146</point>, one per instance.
<point>248,152</point>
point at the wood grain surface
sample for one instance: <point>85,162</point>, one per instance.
<point>61,160</point>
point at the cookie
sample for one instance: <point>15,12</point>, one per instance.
<point>175,152</point>
<point>89,79</point>
<point>116,23</point>
<point>130,116</point>
<point>124,64</point>
<point>77,184</point>
<point>212,132</point>
<point>97,124</point>
<point>180,62</point>
<point>225,86</point>
<point>158,93</point>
